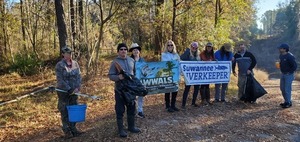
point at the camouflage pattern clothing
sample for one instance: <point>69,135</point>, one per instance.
<point>68,78</point>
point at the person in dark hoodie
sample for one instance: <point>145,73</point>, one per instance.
<point>127,64</point>
<point>246,62</point>
<point>288,66</point>
<point>190,54</point>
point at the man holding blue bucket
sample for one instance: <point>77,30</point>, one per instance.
<point>122,100</point>
<point>69,79</point>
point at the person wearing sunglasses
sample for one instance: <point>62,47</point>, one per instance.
<point>127,64</point>
<point>190,54</point>
<point>170,54</point>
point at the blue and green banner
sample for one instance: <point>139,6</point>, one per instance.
<point>205,72</point>
<point>158,77</point>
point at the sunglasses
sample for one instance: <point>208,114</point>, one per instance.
<point>123,49</point>
<point>170,44</point>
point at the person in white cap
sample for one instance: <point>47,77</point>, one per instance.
<point>136,51</point>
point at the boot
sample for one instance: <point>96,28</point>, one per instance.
<point>68,133</point>
<point>195,94</point>
<point>202,93</point>
<point>131,127</point>
<point>207,95</point>
<point>167,100</point>
<point>74,130</point>
<point>173,101</point>
<point>121,130</point>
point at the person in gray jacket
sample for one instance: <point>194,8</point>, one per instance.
<point>190,54</point>
<point>127,64</point>
<point>69,79</point>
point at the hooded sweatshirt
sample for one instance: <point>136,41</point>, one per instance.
<point>127,65</point>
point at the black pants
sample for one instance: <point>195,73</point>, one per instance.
<point>173,99</point>
<point>120,107</point>
<point>186,92</point>
<point>205,92</point>
<point>64,99</point>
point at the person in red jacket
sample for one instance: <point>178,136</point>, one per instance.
<point>206,55</point>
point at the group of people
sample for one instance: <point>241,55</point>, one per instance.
<point>69,79</point>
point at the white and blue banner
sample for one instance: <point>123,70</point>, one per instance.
<point>158,77</point>
<point>205,72</point>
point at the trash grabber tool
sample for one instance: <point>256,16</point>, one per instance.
<point>79,94</point>
<point>26,95</point>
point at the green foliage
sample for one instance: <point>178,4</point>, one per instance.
<point>26,64</point>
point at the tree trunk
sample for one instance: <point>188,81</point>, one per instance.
<point>80,16</point>
<point>22,25</point>
<point>61,26</point>
<point>73,33</point>
<point>173,21</point>
<point>158,43</point>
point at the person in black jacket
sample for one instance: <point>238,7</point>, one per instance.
<point>246,62</point>
<point>191,54</point>
<point>288,66</point>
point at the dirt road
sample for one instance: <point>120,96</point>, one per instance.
<point>232,121</point>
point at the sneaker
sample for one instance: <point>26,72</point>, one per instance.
<point>77,133</point>
<point>204,103</point>
<point>68,135</point>
<point>175,108</point>
<point>140,115</point>
<point>216,101</point>
<point>208,102</point>
<point>170,109</point>
<point>282,104</point>
<point>287,105</point>
<point>195,105</point>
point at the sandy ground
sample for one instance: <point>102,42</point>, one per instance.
<point>233,121</point>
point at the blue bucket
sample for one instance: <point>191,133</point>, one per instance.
<point>76,112</point>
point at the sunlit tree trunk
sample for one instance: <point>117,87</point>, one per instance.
<point>23,26</point>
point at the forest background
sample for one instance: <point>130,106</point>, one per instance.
<point>32,32</point>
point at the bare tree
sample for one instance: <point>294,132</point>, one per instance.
<point>61,26</point>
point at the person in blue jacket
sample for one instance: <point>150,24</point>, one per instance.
<point>224,54</point>
<point>191,54</point>
<point>288,66</point>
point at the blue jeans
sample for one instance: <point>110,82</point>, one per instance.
<point>140,102</point>
<point>223,91</point>
<point>286,81</point>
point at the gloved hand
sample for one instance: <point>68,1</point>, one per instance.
<point>70,91</point>
<point>76,90</point>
